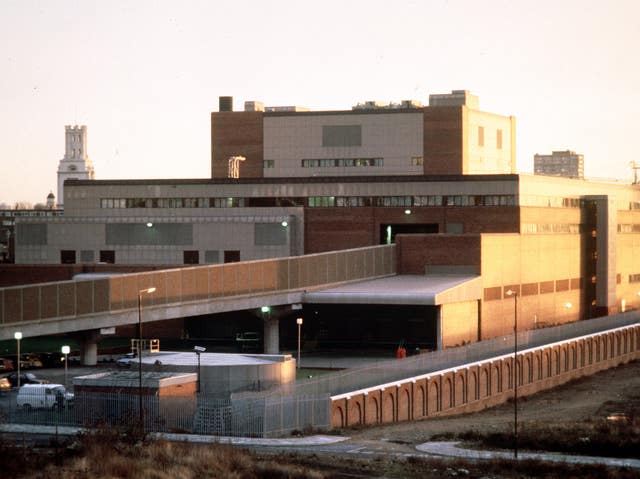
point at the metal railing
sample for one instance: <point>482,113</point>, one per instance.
<point>302,406</point>
<point>201,414</point>
<point>394,370</point>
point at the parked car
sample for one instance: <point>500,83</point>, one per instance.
<point>6,364</point>
<point>248,341</point>
<point>125,362</point>
<point>25,378</point>
<point>5,385</point>
<point>52,360</point>
<point>29,361</point>
<point>47,396</point>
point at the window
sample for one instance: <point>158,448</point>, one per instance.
<point>270,164</point>
<point>67,256</point>
<point>108,256</point>
<point>231,256</point>
<point>499,139</point>
<point>417,161</point>
<point>342,135</point>
<point>481,136</point>
<point>191,257</point>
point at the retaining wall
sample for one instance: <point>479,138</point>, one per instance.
<point>476,386</point>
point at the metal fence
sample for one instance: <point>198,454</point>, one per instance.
<point>247,417</point>
<point>381,372</point>
<point>302,406</point>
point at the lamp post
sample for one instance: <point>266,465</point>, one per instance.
<point>299,321</point>
<point>18,336</point>
<point>514,371</point>
<point>198,350</point>
<point>140,410</point>
<point>65,351</point>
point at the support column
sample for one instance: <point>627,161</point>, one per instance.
<point>272,336</point>
<point>439,327</point>
<point>88,347</point>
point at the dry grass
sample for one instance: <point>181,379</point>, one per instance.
<point>598,437</point>
<point>109,455</point>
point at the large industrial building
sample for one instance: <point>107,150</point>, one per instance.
<point>439,181</point>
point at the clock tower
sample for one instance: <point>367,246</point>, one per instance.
<point>75,165</point>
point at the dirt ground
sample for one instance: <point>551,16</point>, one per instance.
<point>590,398</point>
<point>598,396</point>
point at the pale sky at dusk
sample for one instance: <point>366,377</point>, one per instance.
<point>145,75</point>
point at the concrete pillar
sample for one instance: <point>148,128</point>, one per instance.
<point>89,347</point>
<point>271,336</point>
<point>439,327</point>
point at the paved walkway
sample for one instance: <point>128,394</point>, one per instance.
<point>453,449</point>
<point>317,440</point>
<point>443,449</point>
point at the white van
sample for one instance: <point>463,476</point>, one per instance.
<point>49,396</point>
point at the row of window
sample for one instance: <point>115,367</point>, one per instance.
<point>403,201</point>
<point>14,213</point>
<point>550,201</point>
<point>342,162</point>
<point>628,228</point>
<point>314,201</point>
<point>189,256</point>
<point>533,228</point>
<point>424,200</point>
<point>634,278</point>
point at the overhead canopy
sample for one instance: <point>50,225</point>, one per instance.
<point>403,289</point>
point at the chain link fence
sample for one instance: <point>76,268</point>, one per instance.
<point>303,406</point>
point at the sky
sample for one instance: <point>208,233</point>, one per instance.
<point>145,75</point>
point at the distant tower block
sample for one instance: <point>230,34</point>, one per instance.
<point>75,165</point>
<point>234,166</point>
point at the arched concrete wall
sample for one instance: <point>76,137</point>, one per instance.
<point>475,386</point>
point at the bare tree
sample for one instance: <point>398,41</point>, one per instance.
<point>23,205</point>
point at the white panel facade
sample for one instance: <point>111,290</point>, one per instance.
<point>397,138</point>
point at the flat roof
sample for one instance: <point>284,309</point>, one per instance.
<point>430,290</point>
<point>296,179</point>
<point>132,378</point>
<point>189,358</point>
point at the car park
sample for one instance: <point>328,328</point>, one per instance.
<point>43,396</point>
<point>25,378</point>
<point>6,364</point>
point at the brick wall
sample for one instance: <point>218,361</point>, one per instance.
<point>237,134</point>
<point>476,386</point>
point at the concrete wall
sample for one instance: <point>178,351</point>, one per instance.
<point>394,136</point>
<point>495,154</point>
<point>545,270</point>
<point>459,323</point>
<point>476,386</point>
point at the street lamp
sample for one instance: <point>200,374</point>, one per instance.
<point>299,322</point>
<point>65,351</point>
<point>140,410</point>
<point>198,350</point>
<point>514,370</point>
<point>18,336</point>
